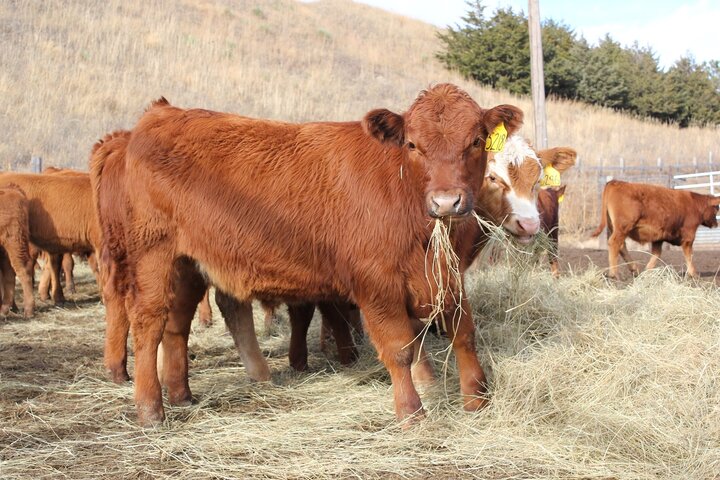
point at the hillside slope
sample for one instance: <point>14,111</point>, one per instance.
<point>73,70</point>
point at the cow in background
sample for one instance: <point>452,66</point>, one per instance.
<point>15,249</point>
<point>264,212</point>
<point>62,263</point>
<point>654,214</point>
<point>61,216</point>
<point>555,161</point>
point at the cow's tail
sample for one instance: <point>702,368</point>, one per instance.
<point>603,214</point>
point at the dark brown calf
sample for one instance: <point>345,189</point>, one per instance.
<point>275,199</point>
<point>655,214</point>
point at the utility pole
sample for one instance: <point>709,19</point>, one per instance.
<point>537,78</point>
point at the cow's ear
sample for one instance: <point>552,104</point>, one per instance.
<point>509,115</point>
<point>561,158</point>
<point>385,126</point>
<point>715,201</point>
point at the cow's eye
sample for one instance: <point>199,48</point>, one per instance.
<point>477,142</point>
<point>411,146</point>
<point>491,178</point>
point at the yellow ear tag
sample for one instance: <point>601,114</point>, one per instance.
<point>496,140</point>
<point>551,177</point>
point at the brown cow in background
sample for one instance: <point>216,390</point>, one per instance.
<point>655,214</point>
<point>62,263</point>
<point>263,208</point>
<point>61,214</point>
<point>15,249</point>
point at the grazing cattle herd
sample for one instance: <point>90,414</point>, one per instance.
<point>334,216</point>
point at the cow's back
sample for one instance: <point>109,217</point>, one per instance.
<point>650,212</point>
<point>60,210</point>
<point>307,203</point>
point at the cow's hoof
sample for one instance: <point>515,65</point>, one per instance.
<point>474,404</point>
<point>118,375</point>
<point>150,415</point>
<point>28,312</point>
<point>348,355</point>
<point>181,399</point>
<point>411,419</point>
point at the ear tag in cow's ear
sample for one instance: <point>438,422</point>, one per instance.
<point>496,140</point>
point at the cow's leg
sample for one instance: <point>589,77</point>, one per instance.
<point>117,324</point>
<point>392,334</point>
<point>616,244</point>
<point>148,311</point>
<point>423,372</point>
<point>45,277</point>
<point>473,384</point>
<point>632,266</point>
<point>55,263</point>
<point>687,248</point>
<point>68,264</point>
<point>656,249</point>
<point>205,310</point>
<point>8,283</point>
<point>189,287</point>
<point>239,320</point>
<point>270,320</point>
<point>300,317</point>
<point>22,264</point>
<point>337,315</point>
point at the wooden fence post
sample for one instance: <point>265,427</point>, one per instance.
<point>36,165</point>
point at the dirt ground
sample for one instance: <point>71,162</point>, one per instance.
<point>706,261</point>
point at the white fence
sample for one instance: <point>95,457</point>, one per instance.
<point>707,182</point>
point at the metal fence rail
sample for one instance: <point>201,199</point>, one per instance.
<point>704,182</point>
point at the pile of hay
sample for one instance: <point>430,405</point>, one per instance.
<point>587,381</point>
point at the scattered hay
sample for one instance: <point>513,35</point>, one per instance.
<point>587,381</point>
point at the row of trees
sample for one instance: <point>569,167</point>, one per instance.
<point>495,51</point>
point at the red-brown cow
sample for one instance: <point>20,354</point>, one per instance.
<point>61,214</point>
<point>305,212</point>
<point>107,175</point>
<point>15,249</point>
<point>655,214</point>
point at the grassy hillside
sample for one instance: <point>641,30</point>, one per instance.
<point>73,70</point>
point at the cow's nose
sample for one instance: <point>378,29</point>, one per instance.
<point>443,205</point>
<point>531,226</point>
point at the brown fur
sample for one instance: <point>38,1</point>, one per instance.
<point>655,214</point>
<point>275,199</point>
<point>107,166</point>
<point>67,262</point>
<point>14,241</point>
<point>61,214</point>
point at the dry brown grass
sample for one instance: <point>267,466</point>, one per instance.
<point>587,381</point>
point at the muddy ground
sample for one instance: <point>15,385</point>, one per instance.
<point>706,261</point>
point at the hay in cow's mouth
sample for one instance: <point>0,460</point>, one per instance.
<point>444,276</point>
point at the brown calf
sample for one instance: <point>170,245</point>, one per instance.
<point>61,214</point>
<point>14,244</point>
<point>263,208</point>
<point>655,214</point>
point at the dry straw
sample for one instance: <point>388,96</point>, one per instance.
<point>586,381</point>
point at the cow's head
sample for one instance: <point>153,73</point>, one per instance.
<point>510,190</point>
<point>443,134</point>
<point>710,212</point>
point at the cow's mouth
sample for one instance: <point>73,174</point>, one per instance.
<point>524,239</point>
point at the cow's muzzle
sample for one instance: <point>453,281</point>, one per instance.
<point>453,203</point>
